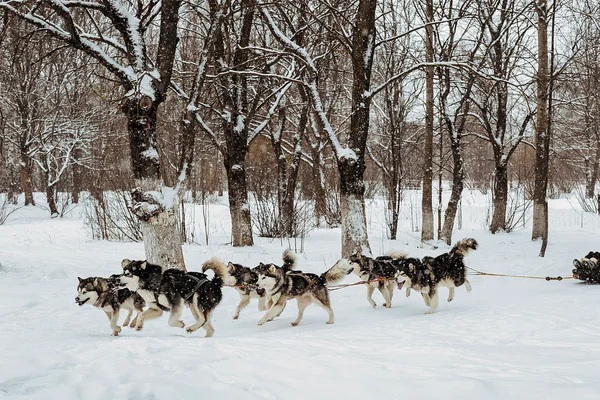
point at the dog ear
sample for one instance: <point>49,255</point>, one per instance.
<point>359,255</point>
<point>144,264</point>
<point>80,279</point>
<point>272,269</point>
<point>230,265</point>
<point>411,267</point>
<point>96,282</point>
<point>125,263</point>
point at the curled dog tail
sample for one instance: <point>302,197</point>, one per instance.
<point>396,254</point>
<point>463,247</point>
<point>337,272</point>
<point>289,259</point>
<point>219,268</point>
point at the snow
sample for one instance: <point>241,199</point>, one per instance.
<point>150,154</point>
<point>507,339</point>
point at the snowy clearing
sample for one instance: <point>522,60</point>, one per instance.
<point>508,339</point>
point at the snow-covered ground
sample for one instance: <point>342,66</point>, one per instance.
<point>508,339</point>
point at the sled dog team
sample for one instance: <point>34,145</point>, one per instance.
<point>142,284</point>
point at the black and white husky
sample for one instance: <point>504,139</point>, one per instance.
<point>428,276</point>
<point>111,298</point>
<point>587,268</point>
<point>380,273</point>
<point>244,280</point>
<point>171,289</point>
<point>283,284</point>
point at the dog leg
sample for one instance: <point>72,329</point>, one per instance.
<point>150,313</point>
<point>198,316</point>
<point>282,308</point>
<point>174,318</point>
<point>274,311</point>
<point>128,317</point>
<point>244,301</point>
<point>426,299</point>
<point>303,302</point>
<point>407,291</point>
<point>434,300</point>
<point>468,286</point>
<point>208,326</point>
<point>114,317</point>
<point>450,294</point>
<point>134,321</point>
<point>262,303</point>
<point>326,305</point>
<point>370,290</point>
<point>386,296</point>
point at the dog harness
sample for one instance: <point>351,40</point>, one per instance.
<point>198,285</point>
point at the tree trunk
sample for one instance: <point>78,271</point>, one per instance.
<point>427,201</point>
<point>241,224</point>
<point>352,185</point>
<point>500,198</point>
<point>457,187</point>
<point>50,197</point>
<point>162,239</point>
<point>540,205</point>
<point>393,207</point>
<point>76,175</point>
<point>352,205</point>
<point>319,185</point>
<point>590,184</point>
<point>25,172</point>
<point>235,166</point>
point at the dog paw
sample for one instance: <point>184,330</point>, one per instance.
<point>294,323</point>
<point>189,330</point>
<point>139,327</point>
<point>181,324</point>
<point>260,323</point>
<point>429,312</point>
<point>329,323</point>
<point>116,333</point>
<point>132,324</point>
<point>236,316</point>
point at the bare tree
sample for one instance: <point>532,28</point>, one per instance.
<point>427,200</point>
<point>114,33</point>
<point>542,135</point>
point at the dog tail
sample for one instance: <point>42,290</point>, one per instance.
<point>219,268</point>
<point>337,272</point>
<point>289,259</point>
<point>396,254</point>
<point>463,247</point>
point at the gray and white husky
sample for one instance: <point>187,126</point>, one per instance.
<point>428,275</point>
<point>283,284</point>
<point>108,295</point>
<point>172,289</point>
<point>244,280</point>
<point>380,273</point>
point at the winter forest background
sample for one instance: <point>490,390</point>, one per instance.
<point>300,112</point>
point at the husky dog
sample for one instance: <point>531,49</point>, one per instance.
<point>380,272</point>
<point>172,289</point>
<point>447,270</point>
<point>244,280</point>
<point>283,284</point>
<point>111,298</point>
<point>586,268</point>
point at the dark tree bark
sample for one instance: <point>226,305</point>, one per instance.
<point>542,139</point>
<point>427,200</point>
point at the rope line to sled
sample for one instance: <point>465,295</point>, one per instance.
<point>546,278</point>
<point>345,285</point>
